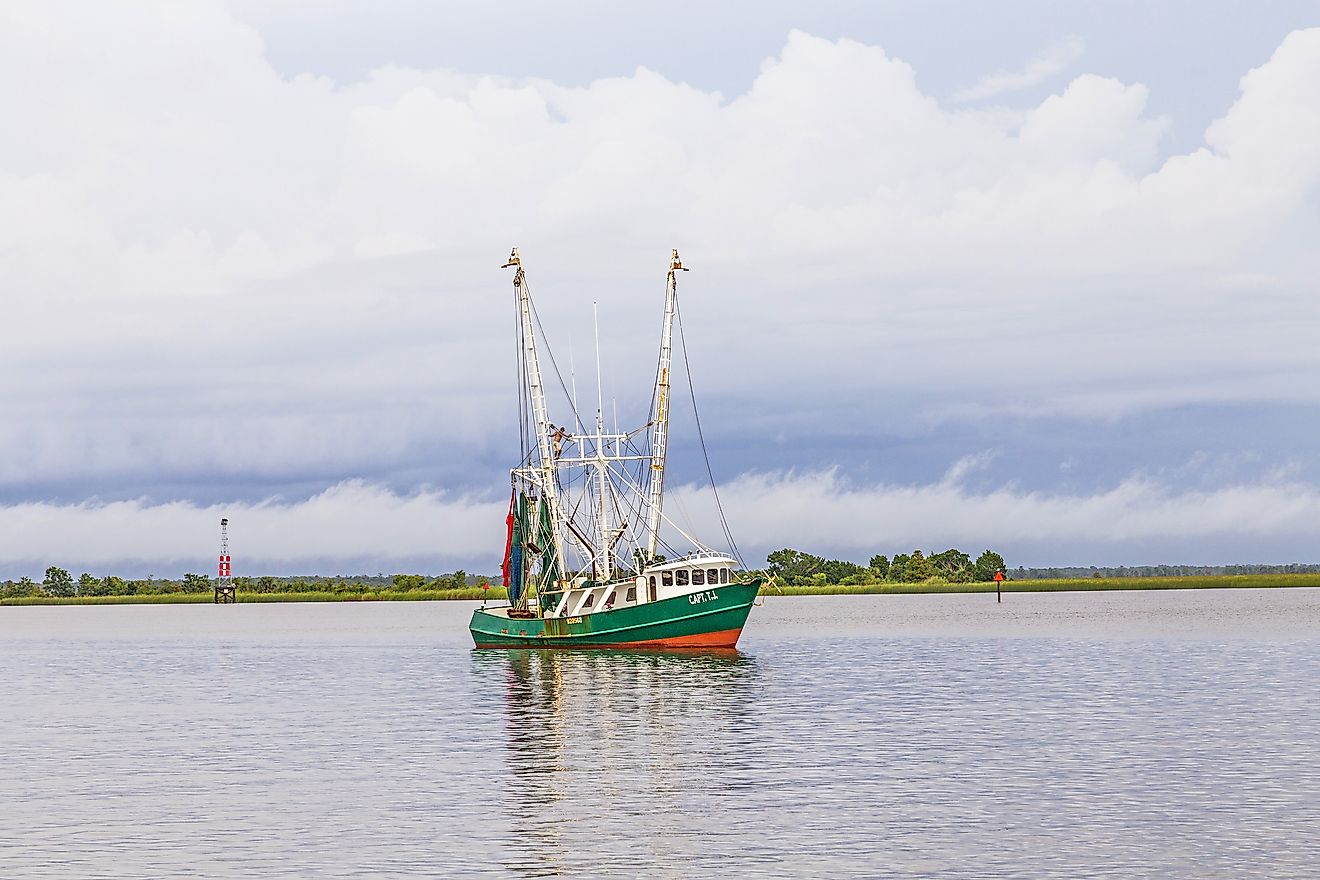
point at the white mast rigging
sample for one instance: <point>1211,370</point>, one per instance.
<point>610,490</point>
<point>545,443</point>
<point>605,551</point>
<point>660,423</point>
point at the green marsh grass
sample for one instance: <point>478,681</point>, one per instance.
<point>1204,582</point>
<point>497,594</point>
<point>152,599</point>
<point>494,594</point>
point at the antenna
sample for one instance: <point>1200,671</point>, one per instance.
<point>224,585</point>
<point>600,402</point>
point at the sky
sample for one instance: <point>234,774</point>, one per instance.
<point>1034,276</point>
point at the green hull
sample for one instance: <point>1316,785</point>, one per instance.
<point>710,618</point>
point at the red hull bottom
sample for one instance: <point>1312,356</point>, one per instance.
<point>726,639</point>
<point>722,639</point>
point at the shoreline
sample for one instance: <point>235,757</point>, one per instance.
<point>467,593</point>
<point>497,594</point>
<point>1065,585</point>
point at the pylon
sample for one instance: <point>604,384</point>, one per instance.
<point>224,585</point>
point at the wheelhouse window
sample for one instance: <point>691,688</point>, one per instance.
<point>591,600</point>
<point>681,577</point>
<point>724,575</point>
<point>667,578</point>
<point>698,578</point>
<point>632,592</point>
<point>712,575</point>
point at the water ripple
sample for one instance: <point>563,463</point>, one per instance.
<point>867,736</point>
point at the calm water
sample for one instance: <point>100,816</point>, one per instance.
<point>1122,734</point>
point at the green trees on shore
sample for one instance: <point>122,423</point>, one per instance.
<point>792,567</point>
<point>58,583</point>
<point>413,582</point>
<point>798,568</point>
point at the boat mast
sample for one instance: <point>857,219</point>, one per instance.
<point>545,443</point>
<point>660,422</point>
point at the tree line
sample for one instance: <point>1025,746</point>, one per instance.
<point>798,568</point>
<point>59,583</point>
<point>792,567</point>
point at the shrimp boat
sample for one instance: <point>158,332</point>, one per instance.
<point>585,562</point>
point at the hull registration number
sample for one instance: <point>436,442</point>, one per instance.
<point>703,596</point>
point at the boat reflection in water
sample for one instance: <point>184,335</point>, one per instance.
<point>663,732</point>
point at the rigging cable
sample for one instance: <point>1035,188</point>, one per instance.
<point>545,340</point>
<point>724,523</point>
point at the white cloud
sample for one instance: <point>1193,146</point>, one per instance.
<point>357,526</point>
<point>212,272</point>
<point>1056,58</point>
<point>350,524</point>
<point>822,512</point>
